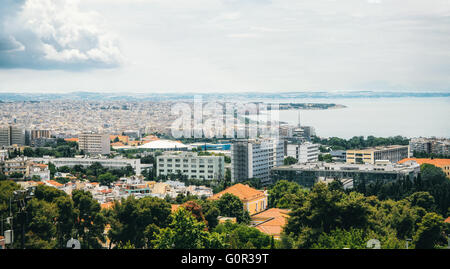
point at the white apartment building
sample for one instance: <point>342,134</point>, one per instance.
<point>191,165</point>
<point>305,152</point>
<point>94,144</point>
<point>254,158</point>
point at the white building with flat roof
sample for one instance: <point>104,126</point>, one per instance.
<point>305,152</point>
<point>191,165</point>
<point>253,158</point>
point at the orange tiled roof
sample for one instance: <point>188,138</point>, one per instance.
<point>54,183</point>
<point>117,144</point>
<point>272,213</point>
<point>447,220</point>
<point>435,162</point>
<point>39,165</point>
<point>73,139</point>
<point>107,205</point>
<point>121,137</point>
<point>274,218</point>
<point>243,192</point>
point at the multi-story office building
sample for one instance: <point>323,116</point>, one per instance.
<point>350,175</point>
<point>36,134</point>
<point>391,153</point>
<point>17,135</point>
<point>94,144</point>
<point>305,152</point>
<point>12,135</point>
<point>191,165</point>
<point>254,158</point>
<point>5,135</point>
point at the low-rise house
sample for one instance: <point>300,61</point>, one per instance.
<point>254,200</point>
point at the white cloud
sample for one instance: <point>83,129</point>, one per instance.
<point>190,45</point>
<point>57,34</point>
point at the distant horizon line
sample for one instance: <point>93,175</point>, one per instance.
<point>224,92</point>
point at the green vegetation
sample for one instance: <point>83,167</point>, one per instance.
<point>230,206</point>
<point>135,221</point>
<point>289,160</point>
<point>284,193</point>
<point>61,149</point>
<point>325,216</point>
<point>431,180</point>
<point>359,142</point>
<point>95,173</point>
<point>325,158</point>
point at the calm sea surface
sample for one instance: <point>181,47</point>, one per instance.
<point>410,117</point>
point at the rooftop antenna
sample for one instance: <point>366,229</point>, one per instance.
<point>299,118</point>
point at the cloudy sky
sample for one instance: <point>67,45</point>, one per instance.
<point>224,45</point>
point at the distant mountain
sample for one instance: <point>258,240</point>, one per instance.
<point>96,96</point>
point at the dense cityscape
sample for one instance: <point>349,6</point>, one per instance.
<point>221,133</point>
<point>111,175</point>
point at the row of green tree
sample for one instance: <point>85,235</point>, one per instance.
<point>359,142</point>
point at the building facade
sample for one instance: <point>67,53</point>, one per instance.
<point>12,135</point>
<point>438,146</point>
<point>391,153</point>
<point>254,200</point>
<point>191,165</point>
<point>305,152</point>
<point>253,158</point>
<point>94,144</point>
<point>350,175</point>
